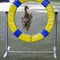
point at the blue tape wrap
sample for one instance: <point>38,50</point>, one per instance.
<point>17,3</point>
<point>44,32</point>
<point>45,3</point>
<point>17,33</point>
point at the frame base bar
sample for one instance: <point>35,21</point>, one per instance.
<point>31,52</point>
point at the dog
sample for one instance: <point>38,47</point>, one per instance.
<point>26,20</point>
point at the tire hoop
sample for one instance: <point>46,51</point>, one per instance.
<point>26,37</point>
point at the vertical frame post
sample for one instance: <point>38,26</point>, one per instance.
<point>7,47</point>
<point>55,35</point>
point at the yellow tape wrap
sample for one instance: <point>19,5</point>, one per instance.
<point>23,1</point>
<point>51,17</point>
<point>39,0</point>
<point>11,17</point>
<point>37,37</point>
<point>25,37</point>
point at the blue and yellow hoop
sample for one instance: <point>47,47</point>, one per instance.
<point>26,37</point>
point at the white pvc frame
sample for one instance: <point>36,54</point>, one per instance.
<point>55,40</point>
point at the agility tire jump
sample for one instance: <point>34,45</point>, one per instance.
<point>25,37</point>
